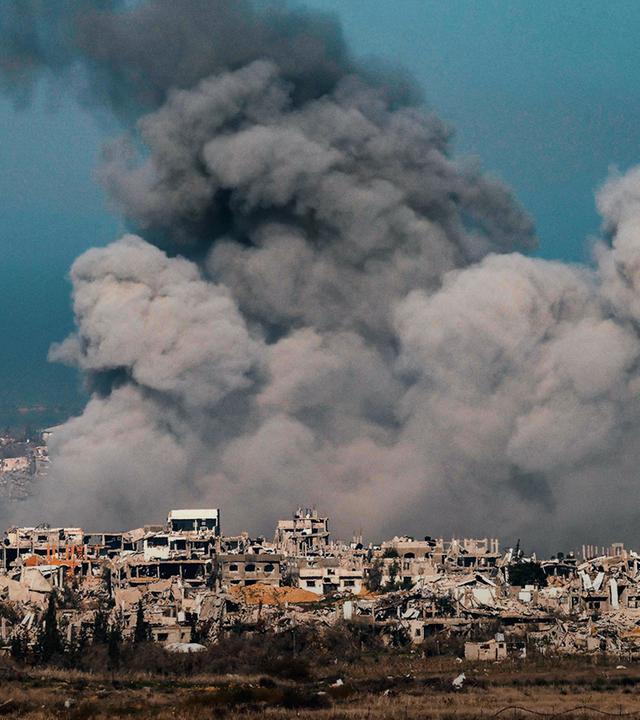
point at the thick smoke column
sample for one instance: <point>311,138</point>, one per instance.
<point>317,302</point>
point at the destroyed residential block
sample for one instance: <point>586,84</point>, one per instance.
<point>195,521</point>
<point>485,651</point>
<point>243,570</point>
<point>305,534</point>
<point>186,574</point>
<point>325,580</point>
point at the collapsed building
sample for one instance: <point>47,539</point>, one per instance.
<point>191,582</point>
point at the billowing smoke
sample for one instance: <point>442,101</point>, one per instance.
<point>318,303</point>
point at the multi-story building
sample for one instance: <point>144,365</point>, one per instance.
<point>242,570</point>
<point>305,534</point>
<point>195,521</point>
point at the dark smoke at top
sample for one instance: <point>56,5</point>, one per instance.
<point>320,303</point>
<point>133,54</point>
<point>131,58</point>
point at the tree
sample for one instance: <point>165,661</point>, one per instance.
<point>445,606</point>
<point>100,627</point>
<point>71,595</point>
<point>393,583</point>
<point>527,573</point>
<point>50,642</point>
<point>19,645</point>
<point>374,576</point>
<point>115,643</point>
<point>141,632</point>
<point>76,646</point>
<point>106,579</point>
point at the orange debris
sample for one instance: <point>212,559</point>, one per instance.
<point>260,594</point>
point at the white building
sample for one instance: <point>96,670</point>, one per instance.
<point>198,520</point>
<point>326,580</point>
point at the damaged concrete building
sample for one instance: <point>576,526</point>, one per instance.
<point>306,533</point>
<point>244,570</point>
<point>190,580</point>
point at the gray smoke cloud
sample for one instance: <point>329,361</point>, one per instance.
<point>318,302</point>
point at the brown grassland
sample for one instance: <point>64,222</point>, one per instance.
<point>376,686</point>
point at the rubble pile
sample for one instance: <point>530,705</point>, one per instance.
<point>186,584</point>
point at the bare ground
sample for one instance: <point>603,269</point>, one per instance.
<point>384,687</point>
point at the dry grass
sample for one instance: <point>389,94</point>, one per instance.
<point>387,687</point>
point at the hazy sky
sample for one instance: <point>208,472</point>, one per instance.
<point>546,94</point>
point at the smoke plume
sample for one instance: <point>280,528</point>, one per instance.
<point>318,302</point>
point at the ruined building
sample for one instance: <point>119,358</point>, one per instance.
<point>305,534</point>
<point>192,581</point>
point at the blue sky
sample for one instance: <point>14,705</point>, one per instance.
<point>546,94</point>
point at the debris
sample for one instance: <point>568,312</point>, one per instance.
<point>458,681</point>
<point>196,585</point>
<point>185,648</point>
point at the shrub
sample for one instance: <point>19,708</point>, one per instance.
<point>49,641</point>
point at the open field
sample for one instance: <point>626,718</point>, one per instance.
<point>377,688</point>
